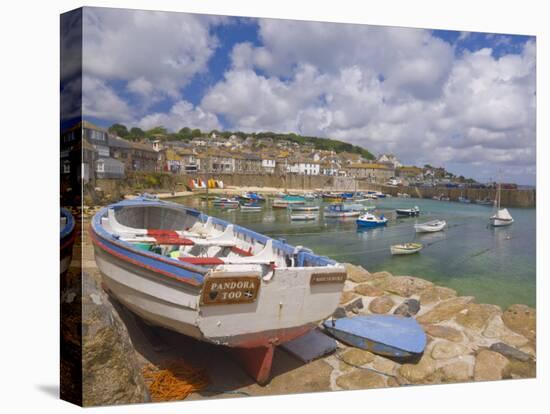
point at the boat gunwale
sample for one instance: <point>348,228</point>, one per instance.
<point>69,226</point>
<point>97,231</point>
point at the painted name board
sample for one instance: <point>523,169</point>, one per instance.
<point>335,277</point>
<point>229,290</point>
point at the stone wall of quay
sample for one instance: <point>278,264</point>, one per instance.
<point>169,182</point>
<point>509,198</point>
<point>288,181</point>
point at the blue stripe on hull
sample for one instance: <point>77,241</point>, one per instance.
<point>369,224</point>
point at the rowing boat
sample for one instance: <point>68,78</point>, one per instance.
<point>406,248</point>
<point>430,226</point>
<point>212,280</point>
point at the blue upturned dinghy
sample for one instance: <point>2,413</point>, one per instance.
<point>388,335</point>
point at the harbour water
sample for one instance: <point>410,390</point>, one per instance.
<point>496,265</point>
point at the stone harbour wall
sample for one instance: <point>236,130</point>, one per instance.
<point>467,341</point>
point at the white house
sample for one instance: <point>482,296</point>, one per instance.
<point>304,167</point>
<point>268,164</point>
<point>389,159</point>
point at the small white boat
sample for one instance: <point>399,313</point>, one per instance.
<point>406,248</point>
<point>360,207</point>
<point>502,217</point>
<point>340,211</point>
<point>430,226</point>
<point>250,207</point>
<point>303,217</point>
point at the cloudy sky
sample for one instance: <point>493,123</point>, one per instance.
<point>461,100</point>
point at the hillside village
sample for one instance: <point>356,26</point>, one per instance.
<point>108,156</point>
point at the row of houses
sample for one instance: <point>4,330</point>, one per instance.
<point>89,152</point>
<point>105,155</point>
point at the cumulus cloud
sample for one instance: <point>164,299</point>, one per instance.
<point>181,114</point>
<point>160,49</point>
<point>387,89</point>
<point>101,101</point>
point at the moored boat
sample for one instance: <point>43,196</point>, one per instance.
<point>303,207</point>
<point>303,217</point>
<point>502,216</point>
<point>387,335</point>
<point>252,197</point>
<point>430,226</point>
<point>226,203</point>
<point>340,211</point>
<point>465,200</point>
<point>287,200</point>
<point>212,280</point>
<point>410,212</point>
<point>485,202</point>
<point>370,220</point>
<point>406,248</point>
<point>67,237</point>
<point>251,207</point>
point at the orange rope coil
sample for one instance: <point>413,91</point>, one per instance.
<point>174,381</point>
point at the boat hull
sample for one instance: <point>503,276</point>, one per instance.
<point>395,250</point>
<point>370,224</point>
<point>500,223</point>
<point>406,213</point>
<point>286,306</point>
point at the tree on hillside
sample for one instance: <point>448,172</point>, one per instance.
<point>119,130</point>
<point>158,130</point>
<point>196,133</point>
<point>137,133</point>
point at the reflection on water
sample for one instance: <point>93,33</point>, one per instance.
<point>496,265</point>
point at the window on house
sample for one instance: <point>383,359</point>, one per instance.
<point>100,167</point>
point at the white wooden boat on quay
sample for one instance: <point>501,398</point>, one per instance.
<point>212,280</point>
<point>430,226</point>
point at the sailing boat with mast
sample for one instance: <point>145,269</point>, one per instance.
<point>502,216</point>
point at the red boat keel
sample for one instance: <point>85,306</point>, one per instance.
<point>256,362</point>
